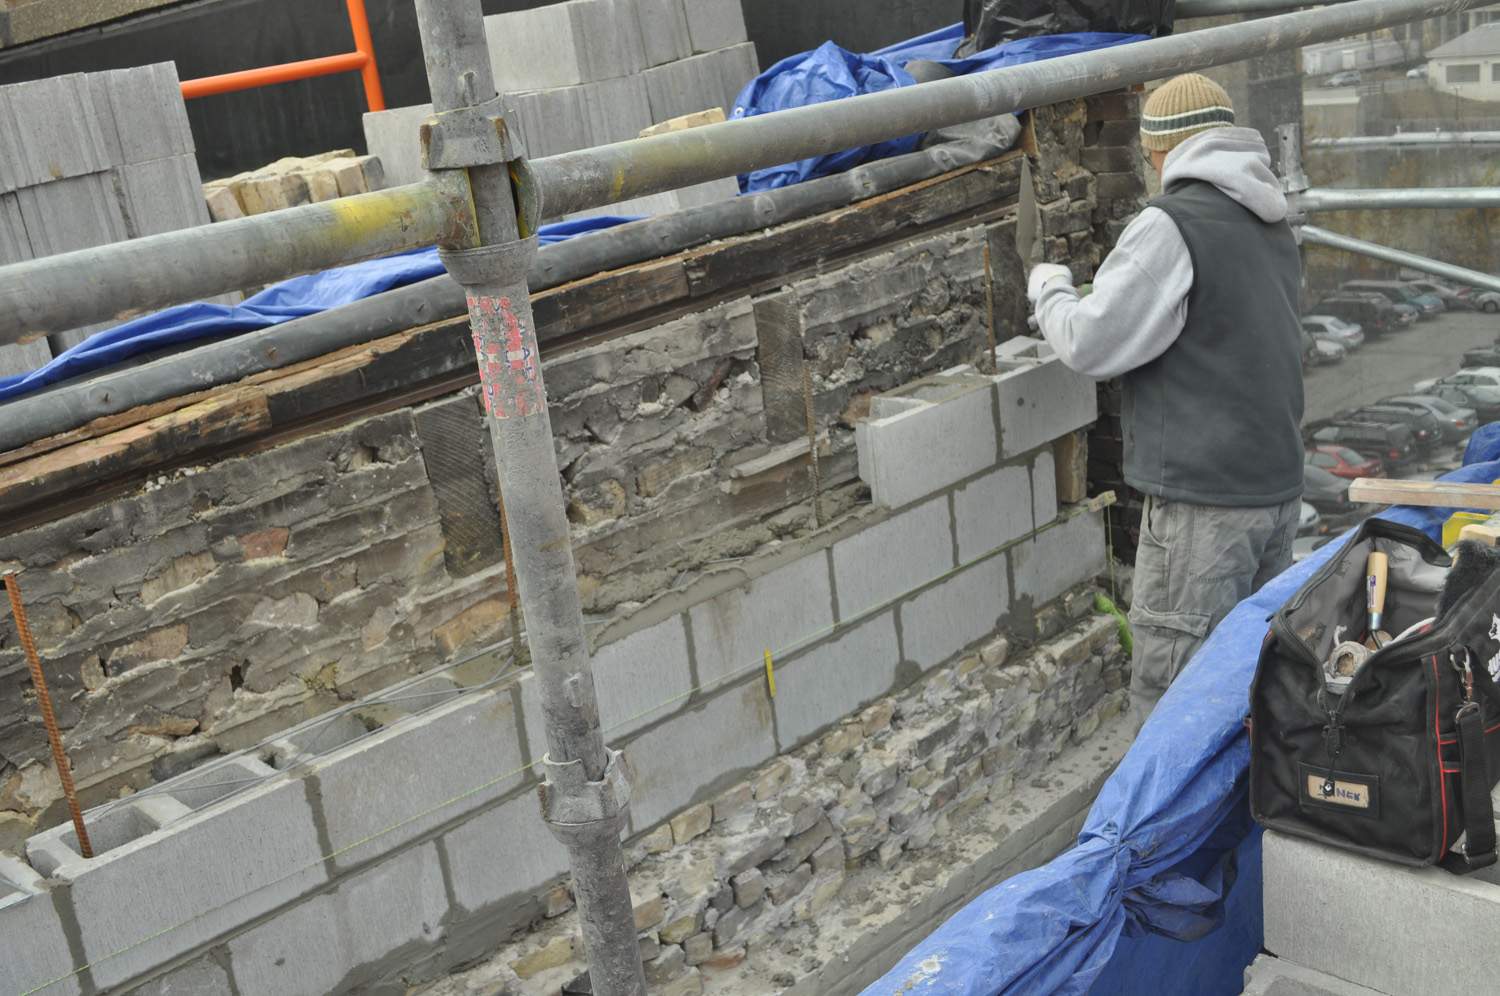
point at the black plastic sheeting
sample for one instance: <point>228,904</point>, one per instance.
<point>987,23</point>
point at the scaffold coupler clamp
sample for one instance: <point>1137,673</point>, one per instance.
<point>575,807</point>
<point>482,136</point>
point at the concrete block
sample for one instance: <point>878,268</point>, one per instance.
<point>944,619</point>
<point>738,65</point>
<point>664,31</point>
<point>829,681</point>
<point>392,136</point>
<point>696,84</point>
<point>37,958</point>
<point>199,892</point>
<point>49,130</point>
<point>642,677</point>
<point>15,247</point>
<point>715,24</point>
<point>564,44</point>
<point>70,214</point>
<point>1044,502</point>
<point>1384,926</point>
<point>141,113</point>
<point>528,855</point>
<point>1058,558</point>
<point>23,357</point>
<point>163,195</point>
<point>884,561</point>
<point>778,611</point>
<point>993,510</point>
<point>576,117</point>
<point>1271,976</point>
<point>708,193</point>
<point>681,760</point>
<point>201,977</point>
<point>926,437</point>
<point>401,782</point>
<point>1040,399</point>
<point>344,939</point>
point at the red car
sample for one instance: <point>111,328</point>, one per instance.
<point>1341,461</point>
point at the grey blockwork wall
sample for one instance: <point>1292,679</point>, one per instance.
<point>591,72</point>
<point>87,159</point>
<point>307,866</point>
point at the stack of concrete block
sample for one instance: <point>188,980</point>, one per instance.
<point>87,159</point>
<point>291,181</point>
<point>1334,918</point>
<point>591,72</point>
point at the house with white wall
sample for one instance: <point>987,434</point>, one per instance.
<point>1469,65</point>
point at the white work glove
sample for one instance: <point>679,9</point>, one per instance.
<point>1043,274</point>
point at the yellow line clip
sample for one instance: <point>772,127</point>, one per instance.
<point>770,674</point>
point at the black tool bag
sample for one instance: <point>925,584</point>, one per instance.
<point>1400,764</point>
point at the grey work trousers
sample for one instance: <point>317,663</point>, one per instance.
<point>1195,563</point>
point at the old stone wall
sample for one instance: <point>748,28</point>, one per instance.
<point>218,603</point>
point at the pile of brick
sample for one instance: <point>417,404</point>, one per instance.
<point>88,159</point>
<point>590,72</point>
<point>293,180</point>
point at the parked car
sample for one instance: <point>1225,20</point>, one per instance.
<point>1426,430</point>
<point>1374,317</point>
<point>1394,443</point>
<point>1318,352</point>
<point>1323,491</point>
<point>1477,389</point>
<point>1417,73</point>
<point>1349,77</point>
<point>1485,301</point>
<point>1457,420</point>
<point>1341,461</point>
<point>1480,356</point>
<point>1398,292</point>
<point>1453,298</point>
<point>1334,329</point>
<point>1309,522</point>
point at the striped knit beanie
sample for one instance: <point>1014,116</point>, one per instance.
<point>1182,107</point>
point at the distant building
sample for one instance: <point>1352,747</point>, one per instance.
<point>1469,65</point>
<point>1367,52</point>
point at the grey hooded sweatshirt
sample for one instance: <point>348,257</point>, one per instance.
<point>1139,302</point>
<point>1211,360</point>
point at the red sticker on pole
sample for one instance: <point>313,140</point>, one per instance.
<point>507,354</point>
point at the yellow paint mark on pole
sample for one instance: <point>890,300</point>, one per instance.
<point>770,674</point>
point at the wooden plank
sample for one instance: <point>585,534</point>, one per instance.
<point>1431,494</point>
<point>152,443</point>
<point>815,241</point>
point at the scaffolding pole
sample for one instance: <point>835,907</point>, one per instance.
<point>1414,139</point>
<point>1451,198</point>
<point>62,292</point>
<point>584,792</point>
<point>1448,271</point>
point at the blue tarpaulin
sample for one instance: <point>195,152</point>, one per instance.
<point>829,72</point>
<point>294,298</point>
<point>1161,893</point>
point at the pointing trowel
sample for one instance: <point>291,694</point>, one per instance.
<point>1028,228</point>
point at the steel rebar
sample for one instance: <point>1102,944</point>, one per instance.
<point>584,792</point>
<point>588,178</point>
<point>1454,198</point>
<point>1448,271</point>
<point>49,718</point>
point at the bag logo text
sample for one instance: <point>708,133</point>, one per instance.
<point>1338,792</point>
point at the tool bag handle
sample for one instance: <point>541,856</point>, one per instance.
<point>1474,781</point>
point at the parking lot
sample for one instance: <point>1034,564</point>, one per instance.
<point>1392,363</point>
